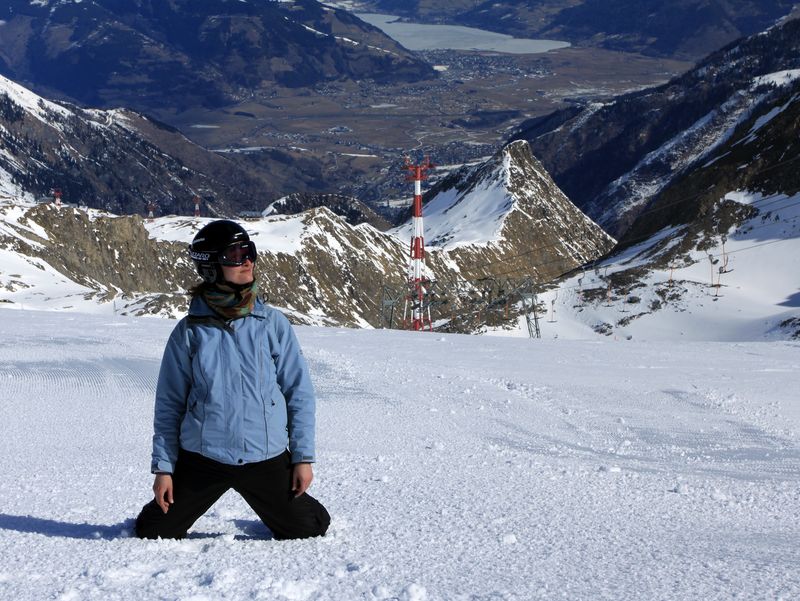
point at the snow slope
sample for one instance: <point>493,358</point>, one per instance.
<point>749,299</point>
<point>454,467</point>
<point>31,103</point>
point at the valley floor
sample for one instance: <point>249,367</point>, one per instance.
<point>357,133</point>
<point>454,467</point>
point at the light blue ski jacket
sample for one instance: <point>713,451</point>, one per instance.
<point>236,392</point>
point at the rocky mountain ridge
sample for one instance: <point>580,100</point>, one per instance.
<point>314,264</point>
<point>353,210</point>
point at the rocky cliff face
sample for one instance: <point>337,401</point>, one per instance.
<point>107,258</point>
<point>146,54</point>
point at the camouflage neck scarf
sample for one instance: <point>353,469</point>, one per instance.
<point>230,301</point>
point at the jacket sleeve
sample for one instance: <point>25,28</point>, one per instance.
<point>174,381</point>
<point>294,381</point>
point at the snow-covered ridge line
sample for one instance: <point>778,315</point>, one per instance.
<point>31,102</point>
<point>779,78</point>
<point>475,216</point>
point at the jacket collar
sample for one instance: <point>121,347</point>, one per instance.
<point>199,308</point>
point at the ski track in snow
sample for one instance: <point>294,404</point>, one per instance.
<point>454,467</point>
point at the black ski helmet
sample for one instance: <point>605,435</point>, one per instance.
<point>210,241</point>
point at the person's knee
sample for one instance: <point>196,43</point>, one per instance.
<point>150,524</point>
<point>323,520</point>
<point>307,525</point>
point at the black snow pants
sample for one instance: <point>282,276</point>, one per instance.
<point>198,482</point>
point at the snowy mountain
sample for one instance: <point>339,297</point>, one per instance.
<point>510,213</point>
<point>715,264</point>
<point>336,265</point>
<point>719,245</point>
<point>147,54</point>
<point>758,152</point>
<point>716,253</point>
<point>122,161</point>
<point>612,158</point>
<point>714,183</point>
<point>713,188</point>
<point>727,278</point>
<point>683,284</point>
<point>315,265</point>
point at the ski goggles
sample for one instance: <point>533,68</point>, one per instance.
<point>236,254</point>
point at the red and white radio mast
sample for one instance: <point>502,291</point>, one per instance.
<point>417,173</point>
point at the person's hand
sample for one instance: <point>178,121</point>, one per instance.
<point>162,488</point>
<point>302,475</point>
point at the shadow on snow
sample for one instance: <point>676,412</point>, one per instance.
<point>253,529</point>
<point>27,523</point>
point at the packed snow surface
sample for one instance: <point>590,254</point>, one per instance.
<point>454,467</point>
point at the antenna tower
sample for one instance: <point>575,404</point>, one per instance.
<point>416,281</point>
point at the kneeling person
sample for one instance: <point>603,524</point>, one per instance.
<point>235,407</point>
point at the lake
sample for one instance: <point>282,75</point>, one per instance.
<point>415,36</point>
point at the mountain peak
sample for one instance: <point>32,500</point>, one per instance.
<point>473,208</point>
<point>510,210</point>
